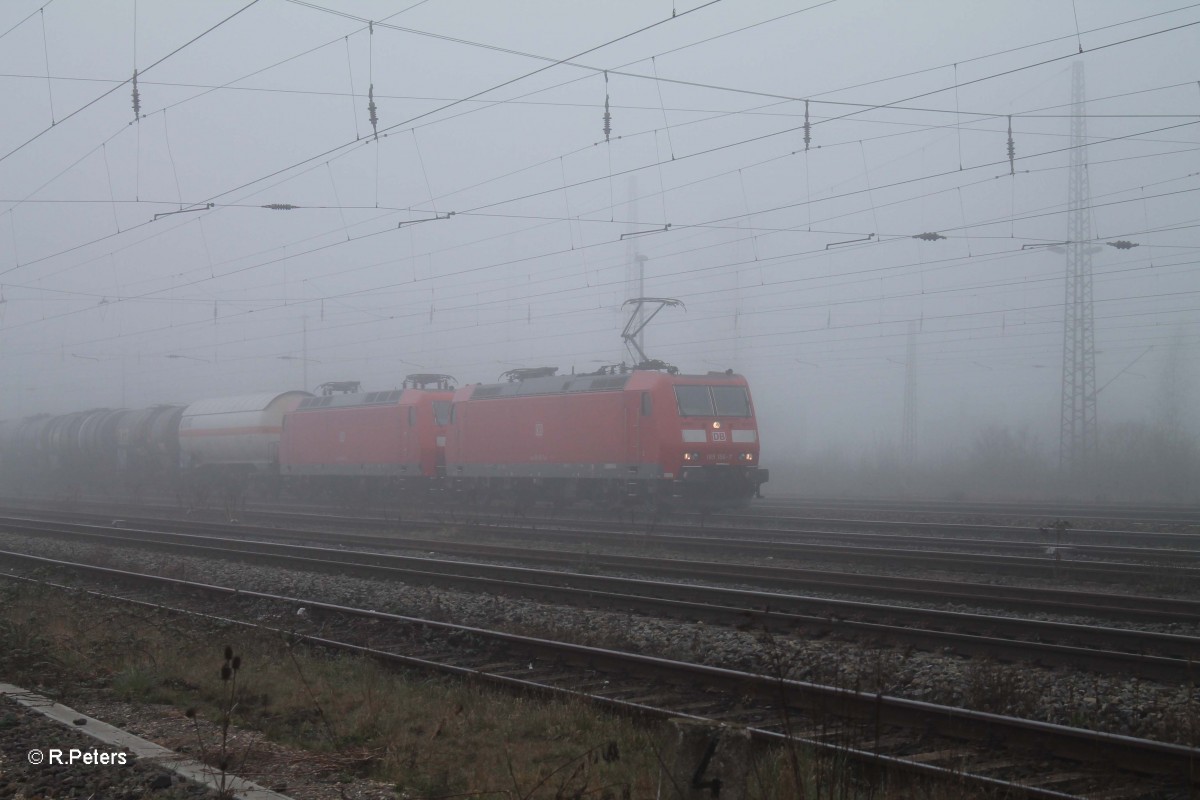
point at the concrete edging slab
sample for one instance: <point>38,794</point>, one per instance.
<point>142,749</point>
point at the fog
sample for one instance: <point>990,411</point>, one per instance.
<point>486,221</point>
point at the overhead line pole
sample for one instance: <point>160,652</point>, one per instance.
<point>1078,433</point>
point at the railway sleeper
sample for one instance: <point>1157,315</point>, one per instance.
<point>952,754</point>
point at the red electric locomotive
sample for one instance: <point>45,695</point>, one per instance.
<point>393,438</point>
<point>641,436</point>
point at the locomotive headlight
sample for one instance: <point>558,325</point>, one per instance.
<point>716,425</point>
<point>691,456</point>
<point>747,456</point>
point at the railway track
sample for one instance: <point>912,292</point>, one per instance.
<point>1153,655</point>
<point>1156,566</point>
<point>957,536</point>
<point>1015,537</point>
<point>1106,605</point>
<point>1180,567</point>
<point>1169,514</point>
<point>971,748</point>
<point>1071,544</point>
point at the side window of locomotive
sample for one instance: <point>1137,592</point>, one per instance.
<point>731,401</point>
<point>647,404</point>
<point>694,401</point>
<point>412,416</point>
<point>441,412</point>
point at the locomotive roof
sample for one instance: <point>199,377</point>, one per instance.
<point>246,402</point>
<point>569,384</point>
<point>560,384</point>
<point>388,398</point>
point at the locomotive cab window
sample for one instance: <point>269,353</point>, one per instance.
<point>647,404</point>
<point>441,412</point>
<point>694,401</point>
<point>412,416</point>
<point>731,401</point>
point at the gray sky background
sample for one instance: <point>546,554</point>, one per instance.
<point>491,148</point>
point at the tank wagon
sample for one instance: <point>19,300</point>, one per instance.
<point>108,449</point>
<point>233,442</point>
<point>147,440</point>
<point>643,435</point>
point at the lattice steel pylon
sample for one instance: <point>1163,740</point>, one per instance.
<point>1078,434</point>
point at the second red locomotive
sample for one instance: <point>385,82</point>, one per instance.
<point>393,439</point>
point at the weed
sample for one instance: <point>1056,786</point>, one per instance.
<point>136,683</point>
<point>218,753</point>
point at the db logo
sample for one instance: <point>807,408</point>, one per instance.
<point>718,436</point>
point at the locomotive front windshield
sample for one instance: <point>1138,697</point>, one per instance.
<point>731,401</point>
<point>708,401</point>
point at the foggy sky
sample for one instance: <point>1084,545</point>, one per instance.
<point>482,229</point>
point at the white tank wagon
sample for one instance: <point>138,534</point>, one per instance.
<point>235,435</point>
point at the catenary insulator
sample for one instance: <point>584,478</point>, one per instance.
<point>807,128</point>
<point>137,98</point>
<point>1012,148</point>
<point>280,206</point>
<point>1122,244</point>
<point>929,237</point>
<point>607,114</point>
<point>371,110</point>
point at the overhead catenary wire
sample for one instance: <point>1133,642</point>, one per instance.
<point>378,232</point>
<point>95,100</point>
<point>46,55</point>
<point>563,187</point>
<point>397,12</point>
<point>610,206</point>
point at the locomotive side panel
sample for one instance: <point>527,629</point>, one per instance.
<point>581,435</point>
<point>363,440</point>
<point>382,434</point>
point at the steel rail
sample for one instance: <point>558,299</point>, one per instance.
<point>1083,540</point>
<point>733,539</point>
<point>1088,538</point>
<point>1182,513</point>
<point>952,541</point>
